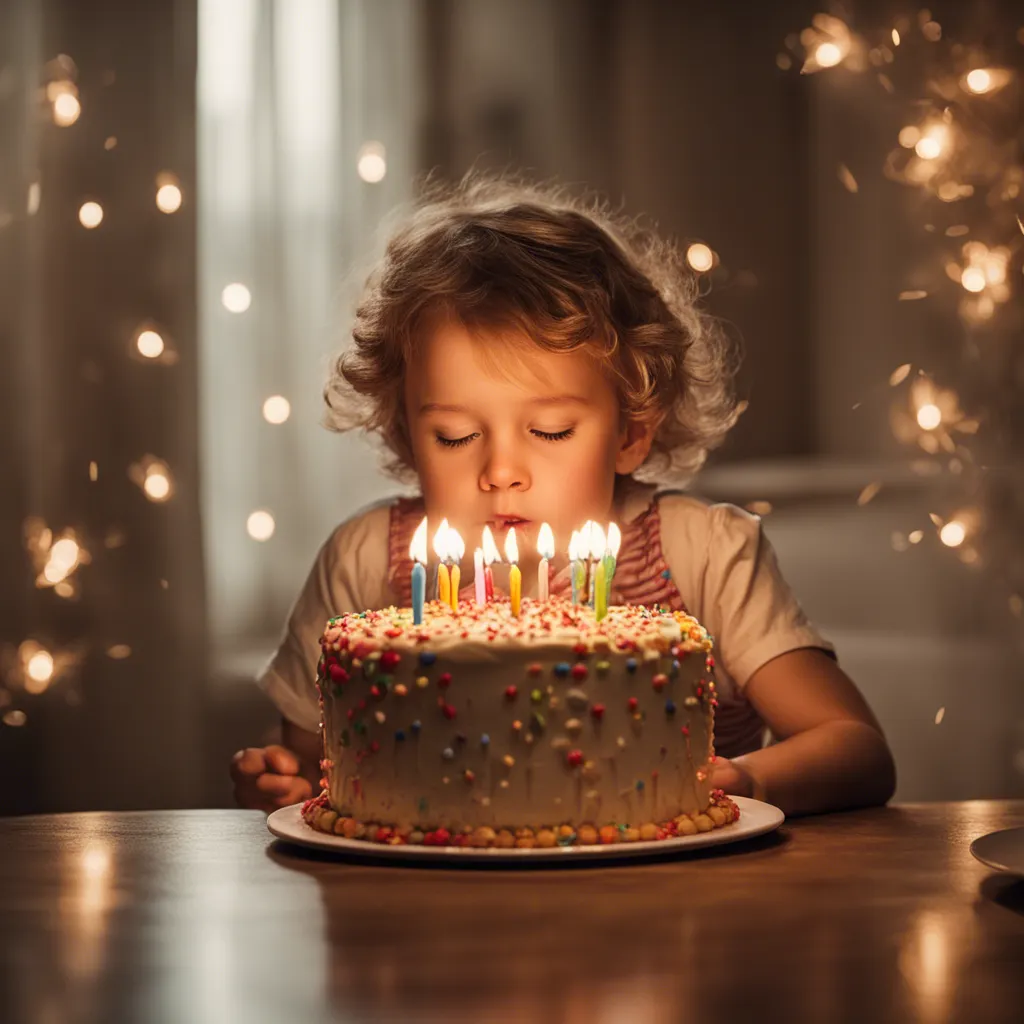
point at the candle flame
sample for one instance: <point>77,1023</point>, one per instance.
<point>598,541</point>
<point>456,545</point>
<point>441,541</point>
<point>418,547</point>
<point>614,540</point>
<point>583,539</point>
<point>491,552</point>
<point>574,546</point>
<point>546,542</point>
<point>511,547</point>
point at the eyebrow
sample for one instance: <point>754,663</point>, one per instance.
<point>550,400</point>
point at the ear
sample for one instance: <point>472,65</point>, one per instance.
<point>635,444</point>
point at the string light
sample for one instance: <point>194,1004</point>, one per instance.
<point>90,215</point>
<point>260,525</point>
<point>371,162</point>
<point>276,409</point>
<point>149,344</point>
<point>236,298</point>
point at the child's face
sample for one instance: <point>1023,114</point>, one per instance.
<point>508,434</point>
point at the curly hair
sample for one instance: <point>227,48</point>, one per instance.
<point>569,274</point>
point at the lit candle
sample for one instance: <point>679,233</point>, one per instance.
<point>546,550</point>
<point>418,551</point>
<point>577,566</point>
<point>444,584</point>
<point>456,549</point>
<point>597,546</point>
<point>611,553</point>
<point>478,576</point>
<point>491,555</point>
<point>515,577</point>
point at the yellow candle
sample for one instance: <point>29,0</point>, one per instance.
<point>546,550</point>
<point>515,588</point>
<point>444,586</point>
<point>515,576</point>
<point>456,574</point>
<point>600,592</point>
<point>444,593</point>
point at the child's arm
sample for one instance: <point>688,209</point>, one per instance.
<point>831,752</point>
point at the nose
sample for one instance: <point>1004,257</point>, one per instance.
<point>504,468</point>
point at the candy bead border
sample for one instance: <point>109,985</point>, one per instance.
<point>721,812</point>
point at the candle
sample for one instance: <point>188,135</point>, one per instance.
<point>491,555</point>
<point>546,550</point>
<point>611,553</point>
<point>577,567</point>
<point>515,577</point>
<point>597,546</point>
<point>444,585</point>
<point>418,551</point>
<point>456,549</point>
<point>478,576</point>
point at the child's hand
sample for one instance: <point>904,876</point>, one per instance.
<point>733,778</point>
<point>267,778</point>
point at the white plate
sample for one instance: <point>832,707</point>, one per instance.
<point>1003,850</point>
<point>756,818</point>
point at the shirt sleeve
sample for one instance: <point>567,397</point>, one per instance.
<point>348,572</point>
<point>748,606</point>
<point>729,577</point>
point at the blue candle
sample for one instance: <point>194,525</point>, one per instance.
<point>577,568</point>
<point>418,551</point>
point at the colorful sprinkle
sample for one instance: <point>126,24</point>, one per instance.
<point>597,711</point>
<point>562,669</point>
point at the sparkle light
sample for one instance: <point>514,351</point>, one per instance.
<point>276,409</point>
<point>236,298</point>
<point>929,416</point>
<point>90,215</point>
<point>260,525</point>
<point>371,163</point>
<point>149,344</point>
<point>700,257</point>
<point>66,109</point>
<point>953,533</point>
<point>168,198</point>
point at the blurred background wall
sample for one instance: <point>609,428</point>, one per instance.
<point>246,155</point>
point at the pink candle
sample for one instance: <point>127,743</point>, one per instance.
<point>491,554</point>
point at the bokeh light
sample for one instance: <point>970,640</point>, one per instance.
<point>90,215</point>
<point>168,198</point>
<point>700,257</point>
<point>66,109</point>
<point>276,409</point>
<point>150,344</point>
<point>371,162</point>
<point>929,416</point>
<point>236,298</point>
<point>260,525</point>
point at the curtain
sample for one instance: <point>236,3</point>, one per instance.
<point>308,122</point>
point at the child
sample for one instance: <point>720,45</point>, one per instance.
<point>529,359</point>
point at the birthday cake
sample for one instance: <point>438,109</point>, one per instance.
<point>481,728</point>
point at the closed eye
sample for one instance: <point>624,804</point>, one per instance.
<point>455,442</point>
<point>560,435</point>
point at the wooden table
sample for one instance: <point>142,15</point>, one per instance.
<point>196,916</point>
